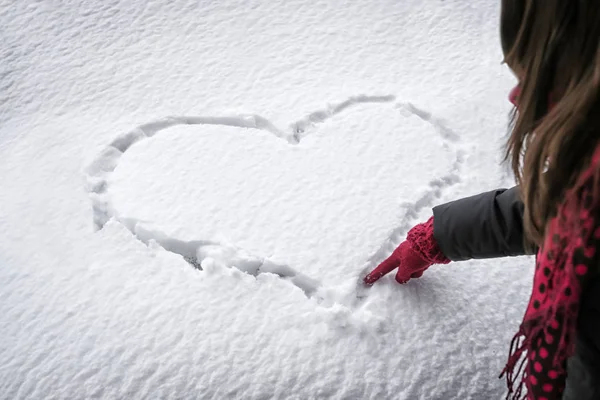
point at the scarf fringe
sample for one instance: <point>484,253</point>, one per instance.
<point>519,344</point>
<point>516,371</point>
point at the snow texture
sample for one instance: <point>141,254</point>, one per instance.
<point>290,202</point>
<point>191,192</point>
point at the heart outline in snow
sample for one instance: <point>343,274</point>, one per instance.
<point>99,170</point>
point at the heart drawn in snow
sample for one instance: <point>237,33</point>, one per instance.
<point>317,204</point>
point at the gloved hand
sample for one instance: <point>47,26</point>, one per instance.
<point>417,253</point>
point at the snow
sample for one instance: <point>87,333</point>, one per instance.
<point>308,206</point>
<point>285,146</point>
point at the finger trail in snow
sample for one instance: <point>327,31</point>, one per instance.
<point>194,251</point>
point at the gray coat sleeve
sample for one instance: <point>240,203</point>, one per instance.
<point>486,225</point>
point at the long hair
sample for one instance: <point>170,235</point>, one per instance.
<point>553,46</point>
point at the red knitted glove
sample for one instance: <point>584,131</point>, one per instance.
<point>417,253</point>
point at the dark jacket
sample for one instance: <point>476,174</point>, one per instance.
<point>490,225</point>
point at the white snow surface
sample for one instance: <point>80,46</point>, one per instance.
<point>309,207</point>
<point>287,147</point>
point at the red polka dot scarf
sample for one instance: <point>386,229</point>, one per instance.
<point>566,262</point>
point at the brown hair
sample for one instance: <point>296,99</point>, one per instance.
<point>553,46</point>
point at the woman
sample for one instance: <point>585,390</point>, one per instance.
<point>553,47</point>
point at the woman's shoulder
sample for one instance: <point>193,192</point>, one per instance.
<point>590,172</point>
<point>584,193</point>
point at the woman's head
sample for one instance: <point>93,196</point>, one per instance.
<point>553,47</point>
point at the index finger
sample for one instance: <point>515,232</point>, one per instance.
<point>382,269</point>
